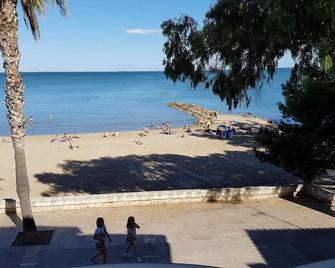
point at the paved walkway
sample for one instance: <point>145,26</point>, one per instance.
<point>270,233</point>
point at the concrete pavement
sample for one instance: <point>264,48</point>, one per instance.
<point>267,233</point>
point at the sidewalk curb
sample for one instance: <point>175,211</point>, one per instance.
<point>8,205</point>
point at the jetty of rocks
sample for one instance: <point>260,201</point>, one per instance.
<point>199,112</point>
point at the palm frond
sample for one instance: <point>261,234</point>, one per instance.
<point>62,5</point>
<point>30,7</point>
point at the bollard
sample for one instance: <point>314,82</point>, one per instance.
<point>10,206</point>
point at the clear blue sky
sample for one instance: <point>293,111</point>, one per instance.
<point>105,35</point>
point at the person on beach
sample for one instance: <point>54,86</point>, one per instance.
<point>131,237</point>
<point>208,125</point>
<point>229,133</point>
<point>100,235</point>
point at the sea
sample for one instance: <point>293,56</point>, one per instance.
<point>86,102</point>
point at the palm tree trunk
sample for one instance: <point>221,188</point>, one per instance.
<point>15,104</point>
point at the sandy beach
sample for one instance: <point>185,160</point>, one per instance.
<point>181,160</point>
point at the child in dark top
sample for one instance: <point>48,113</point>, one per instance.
<point>131,237</point>
<point>100,235</point>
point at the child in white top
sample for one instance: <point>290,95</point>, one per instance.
<point>100,235</point>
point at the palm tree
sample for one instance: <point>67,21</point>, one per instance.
<point>14,90</point>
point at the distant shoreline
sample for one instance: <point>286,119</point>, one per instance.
<point>201,114</point>
<point>222,119</point>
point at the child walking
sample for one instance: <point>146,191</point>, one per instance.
<point>131,237</point>
<point>100,235</point>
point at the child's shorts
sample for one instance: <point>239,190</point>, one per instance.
<point>100,247</point>
<point>130,240</point>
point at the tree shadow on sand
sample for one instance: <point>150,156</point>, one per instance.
<point>162,172</point>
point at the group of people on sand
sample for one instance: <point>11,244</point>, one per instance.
<point>143,133</point>
<point>68,139</point>
<point>101,234</point>
<point>187,129</point>
<point>72,147</point>
<point>221,132</point>
<point>167,129</point>
<point>225,133</point>
<point>111,134</point>
<point>64,138</point>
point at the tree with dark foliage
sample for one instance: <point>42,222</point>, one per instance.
<point>306,146</point>
<point>238,49</point>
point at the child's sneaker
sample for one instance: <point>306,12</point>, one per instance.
<point>126,255</point>
<point>139,259</point>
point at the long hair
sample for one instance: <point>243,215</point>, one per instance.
<point>131,220</point>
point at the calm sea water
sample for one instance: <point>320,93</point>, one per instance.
<point>96,102</point>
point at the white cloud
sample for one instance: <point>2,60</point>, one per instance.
<point>143,31</point>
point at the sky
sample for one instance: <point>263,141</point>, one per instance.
<point>106,35</point>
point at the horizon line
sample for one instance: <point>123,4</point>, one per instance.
<point>124,71</point>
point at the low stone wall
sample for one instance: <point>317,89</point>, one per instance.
<point>320,193</point>
<point>151,197</point>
